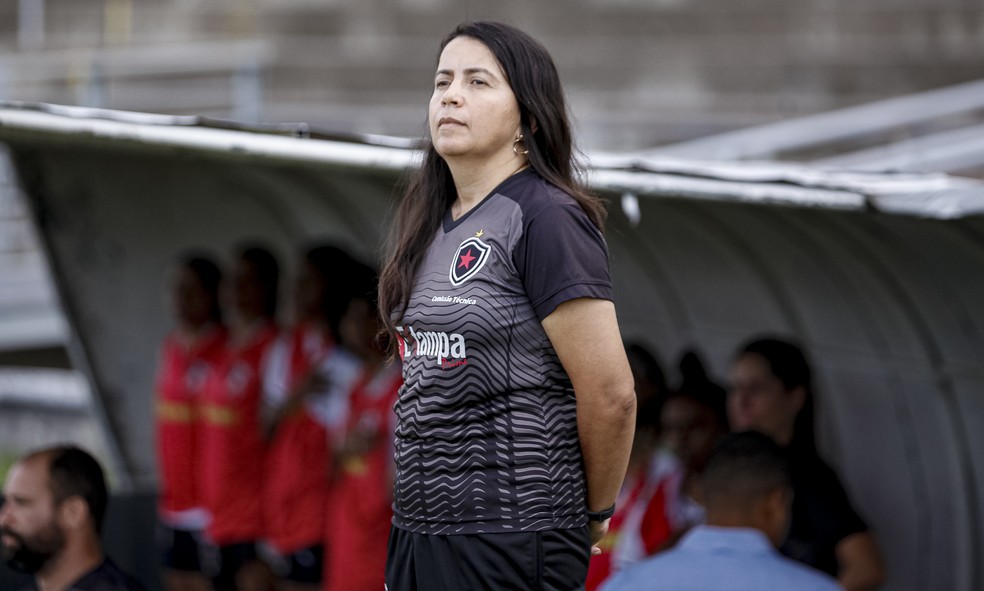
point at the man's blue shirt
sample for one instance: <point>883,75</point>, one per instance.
<point>712,558</point>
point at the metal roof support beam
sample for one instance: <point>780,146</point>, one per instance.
<point>948,151</point>
<point>766,141</point>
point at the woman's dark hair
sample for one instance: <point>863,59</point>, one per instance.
<point>364,283</point>
<point>695,385</point>
<point>645,365</point>
<point>209,276</point>
<point>267,273</point>
<point>546,130</point>
<point>788,363</point>
<point>334,266</point>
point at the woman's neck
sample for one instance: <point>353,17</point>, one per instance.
<point>242,330</point>
<point>190,334</point>
<point>475,180</point>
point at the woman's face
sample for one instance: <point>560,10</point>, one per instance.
<point>690,430</point>
<point>759,401</point>
<point>248,294</point>
<point>192,302</point>
<point>309,292</point>
<point>473,111</point>
<point>358,328</point>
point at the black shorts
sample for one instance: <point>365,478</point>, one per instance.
<point>551,560</point>
<point>221,563</point>
<point>180,548</point>
<point>304,566</point>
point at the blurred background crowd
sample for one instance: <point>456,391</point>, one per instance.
<point>274,436</point>
<point>275,445</point>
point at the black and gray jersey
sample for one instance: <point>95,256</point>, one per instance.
<point>486,437</point>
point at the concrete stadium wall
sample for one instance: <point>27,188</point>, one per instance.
<point>639,73</point>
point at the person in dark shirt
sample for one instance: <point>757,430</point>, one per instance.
<point>50,523</point>
<point>515,421</point>
<point>771,393</point>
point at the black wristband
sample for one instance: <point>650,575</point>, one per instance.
<point>602,515</point>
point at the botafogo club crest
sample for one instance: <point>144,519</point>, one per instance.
<point>468,260</point>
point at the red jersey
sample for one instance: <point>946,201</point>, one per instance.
<point>601,566</point>
<point>360,509</point>
<point>233,450</point>
<point>181,376</point>
<point>651,510</point>
<point>298,467</point>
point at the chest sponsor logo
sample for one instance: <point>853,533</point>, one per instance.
<point>238,378</point>
<point>468,260</point>
<point>448,349</point>
<point>195,377</point>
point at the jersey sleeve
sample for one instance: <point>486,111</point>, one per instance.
<point>275,372</point>
<point>562,256</point>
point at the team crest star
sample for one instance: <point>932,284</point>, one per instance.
<point>466,259</point>
<point>479,233</point>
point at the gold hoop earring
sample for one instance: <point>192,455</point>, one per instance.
<point>517,152</point>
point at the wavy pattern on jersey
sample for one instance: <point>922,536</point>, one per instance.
<point>461,465</point>
<point>489,445</point>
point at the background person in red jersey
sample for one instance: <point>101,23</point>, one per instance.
<point>692,421</point>
<point>187,356</point>
<point>305,390</point>
<point>663,496</point>
<point>233,447</point>
<point>650,388</point>
<point>360,504</point>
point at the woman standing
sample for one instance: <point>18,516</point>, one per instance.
<point>233,447</point>
<point>360,504</point>
<point>308,374</point>
<point>188,354</point>
<point>516,418</point>
<point>771,393</point>
<point>624,532</point>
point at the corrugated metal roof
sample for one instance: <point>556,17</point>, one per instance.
<point>927,195</point>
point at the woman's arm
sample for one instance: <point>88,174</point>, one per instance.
<point>585,334</point>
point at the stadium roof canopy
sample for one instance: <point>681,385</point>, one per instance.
<point>877,273</point>
<point>939,130</point>
<point>657,173</point>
